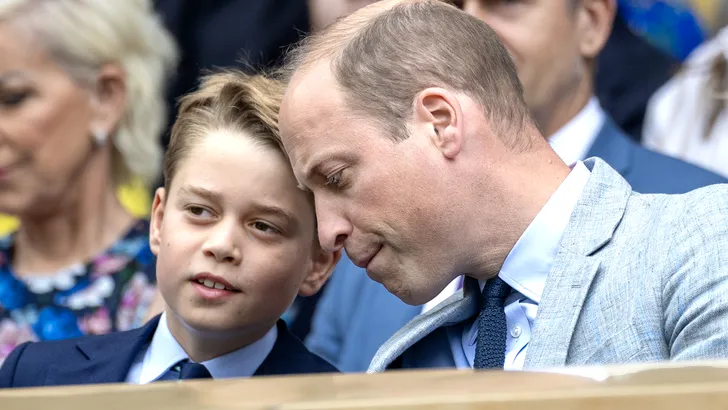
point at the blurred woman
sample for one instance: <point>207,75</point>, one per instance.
<point>688,117</point>
<point>81,112</point>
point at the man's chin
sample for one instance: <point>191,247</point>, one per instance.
<point>405,294</point>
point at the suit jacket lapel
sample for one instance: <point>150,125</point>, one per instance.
<point>592,224</point>
<point>102,359</point>
<point>457,308</point>
<point>566,289</point>
<point>290,356</point>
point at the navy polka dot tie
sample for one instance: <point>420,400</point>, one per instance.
<point>490,350</point>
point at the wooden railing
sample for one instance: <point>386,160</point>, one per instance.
<point>684,386</point>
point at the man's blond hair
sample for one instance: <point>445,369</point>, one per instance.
<point>384,54</point>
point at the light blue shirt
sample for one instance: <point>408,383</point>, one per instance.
<point>164,352</point>
<point>525,270</point>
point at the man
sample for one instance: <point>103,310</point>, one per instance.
<point>427,165</point>
<point>554,44</point>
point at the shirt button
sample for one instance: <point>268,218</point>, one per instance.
<point>516,332</point>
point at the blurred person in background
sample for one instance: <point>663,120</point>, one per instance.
<point>555,44</point>
<point>687,118</point>
<point>81,112</point>
<point>248,34</point>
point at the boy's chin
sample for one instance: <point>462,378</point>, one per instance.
<point>213,323</point>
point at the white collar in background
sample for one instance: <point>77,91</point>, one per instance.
<point>573,141</point>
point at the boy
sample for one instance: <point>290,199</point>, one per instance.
<point>235,241</point>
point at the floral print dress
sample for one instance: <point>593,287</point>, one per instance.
<point>112,292</point>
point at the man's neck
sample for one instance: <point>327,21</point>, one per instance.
<point>527,184</point>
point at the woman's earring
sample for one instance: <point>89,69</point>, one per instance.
<point>100,138</point>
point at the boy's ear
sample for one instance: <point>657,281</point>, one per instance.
<point>323,265</point>
<point>155,226</point>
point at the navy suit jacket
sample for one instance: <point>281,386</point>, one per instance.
<point>357,315</point>
<point>108,359</point>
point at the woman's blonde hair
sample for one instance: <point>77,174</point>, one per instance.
<point>229,100</point>
<point>83,35</point>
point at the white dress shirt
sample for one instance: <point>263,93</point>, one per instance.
<point>525,270</point>
<point>164,352</point>
<point>573,141</point>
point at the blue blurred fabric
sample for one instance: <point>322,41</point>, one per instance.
<point>671,25</point>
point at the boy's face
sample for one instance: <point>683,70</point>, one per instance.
<point>235,238</point>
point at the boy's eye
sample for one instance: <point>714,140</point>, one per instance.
<point>13,99</point>
<point>198,211</point>
<point>264,227</point>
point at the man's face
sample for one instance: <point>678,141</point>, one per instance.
<point>386,202</point>
<point>550,41</point>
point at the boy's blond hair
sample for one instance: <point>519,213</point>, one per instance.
<point>226,101</point>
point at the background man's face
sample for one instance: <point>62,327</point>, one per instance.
<point>544,38</point>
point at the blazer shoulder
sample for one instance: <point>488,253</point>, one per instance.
<point>28,363</point>
<point>670,175</point>
<point>10,366</point>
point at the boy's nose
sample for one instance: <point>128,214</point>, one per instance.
<point>222,245</point>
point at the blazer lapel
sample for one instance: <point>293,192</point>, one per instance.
<point>459,307</point>
<point>592,224</point>
<point>102,359</point>
<point>290,356</point>
<point>566,289</point>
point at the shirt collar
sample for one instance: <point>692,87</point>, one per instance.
<point>164,352</point>
<point>529,262</point>
<point>573,141</point>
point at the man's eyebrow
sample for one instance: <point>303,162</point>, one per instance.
<point>201,192</point>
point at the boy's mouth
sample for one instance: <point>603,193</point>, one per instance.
<point>214,282</point>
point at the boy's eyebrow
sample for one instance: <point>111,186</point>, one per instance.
<point>269,209</point>
<point>275,210</point>
<point>201,192</point>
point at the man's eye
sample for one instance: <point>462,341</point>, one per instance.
<point>334,180</point>
<point>264,227</point>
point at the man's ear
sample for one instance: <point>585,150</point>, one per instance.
<point>594,24</point>
<point>323,265</point>
<point>155,226</point>
<point>439,116</point>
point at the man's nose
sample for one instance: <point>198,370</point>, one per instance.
<point>333,227</point>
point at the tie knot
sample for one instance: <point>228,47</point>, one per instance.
<point>495,291</point>
<point>190,370</point>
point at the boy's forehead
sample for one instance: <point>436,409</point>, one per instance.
<point>236,169</point>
